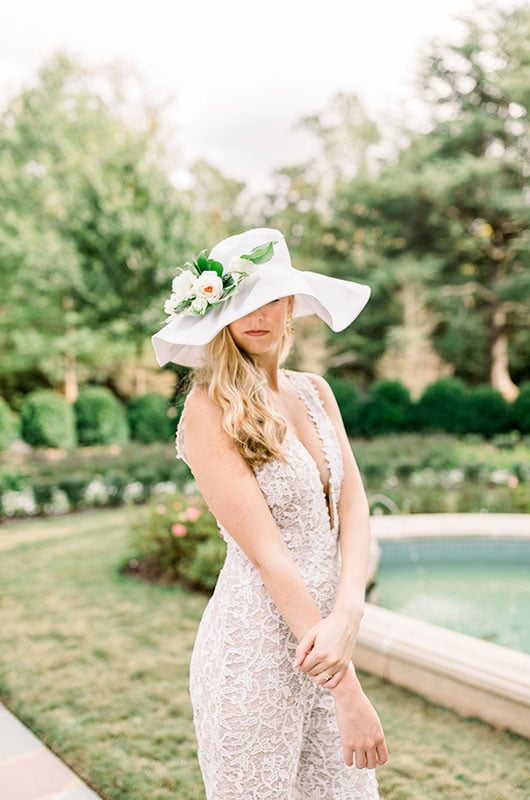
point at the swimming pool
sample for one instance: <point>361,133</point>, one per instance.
<point>475,585</point>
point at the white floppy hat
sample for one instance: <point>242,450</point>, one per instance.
<point>337,302</point>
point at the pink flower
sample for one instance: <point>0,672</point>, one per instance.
<point>193,513</point>
<point>512,481</point>
<point>160,508</point>
<point>178,530</point>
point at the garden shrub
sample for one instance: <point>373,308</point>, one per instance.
<point>74,486</point>
<point>203,569</point>
<point>43,492</point>
<point>47,420</point>
<point>488,412</point>
<point>521,409</point>
<point>176,537</point>
<point>9,425</point>
<point>388,409</point>
<point>148,418</point>
<point>506,441</point>
<point>349,402</point>
<point>443,406</point>
<point>100,417</point>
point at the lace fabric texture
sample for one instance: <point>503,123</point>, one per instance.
<point>266,731</point>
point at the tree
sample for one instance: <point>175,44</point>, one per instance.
<point>300,206</point>
<point>451,212</point>
<point>217,205</point>
<point>94,226</point>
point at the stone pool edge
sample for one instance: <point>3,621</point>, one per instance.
<point>471,676</point>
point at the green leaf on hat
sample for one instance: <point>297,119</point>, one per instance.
<point>261,254</point>
<point>215,266</point>
<point>202,261</point>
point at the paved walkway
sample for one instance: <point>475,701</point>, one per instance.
<point>29,771</point>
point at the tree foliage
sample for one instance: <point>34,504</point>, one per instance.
<point>452,212</point>
<point>93,226</point>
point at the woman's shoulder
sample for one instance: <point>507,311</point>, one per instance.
<point>199,406</point>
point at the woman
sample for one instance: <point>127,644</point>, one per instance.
<point>278,709</point>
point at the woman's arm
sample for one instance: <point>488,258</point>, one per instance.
<point>333,640</point>
<point>231,491</point>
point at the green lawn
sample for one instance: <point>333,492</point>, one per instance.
<point>96,664</point>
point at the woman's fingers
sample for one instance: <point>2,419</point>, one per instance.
<point>359,758</point>
<point>335,679</point>
<point>305,645</point>
<point>382,753</point>
<point>329,679</point>
<point>347,753</point>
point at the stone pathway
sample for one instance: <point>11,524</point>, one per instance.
<point>29,771</point>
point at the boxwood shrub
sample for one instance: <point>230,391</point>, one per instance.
<point>100,417</point>
<point>443,406</point>
<point>388,409</point>
<point>521,409</point>
<point>9,425</point>
<point>47,420</point>
<point>488,412</point>
<point>148,418</point>
<point>349,402</point>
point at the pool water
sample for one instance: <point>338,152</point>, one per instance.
<point>476,586</point>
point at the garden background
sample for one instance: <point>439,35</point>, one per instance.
<point>433,381</point>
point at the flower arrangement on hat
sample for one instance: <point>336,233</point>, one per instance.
<point>199,285</point>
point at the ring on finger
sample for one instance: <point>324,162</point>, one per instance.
<point>327,676</point>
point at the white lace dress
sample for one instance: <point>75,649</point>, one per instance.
<point>266,731</point>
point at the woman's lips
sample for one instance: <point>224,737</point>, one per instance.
<point>256,333</point>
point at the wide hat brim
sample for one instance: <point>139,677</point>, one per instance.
<point>337,302</point>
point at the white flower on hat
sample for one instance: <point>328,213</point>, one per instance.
<point>204,283</point>
<point>170,305</point>
<point>184,285</point>
<point>209,285</point>
<point>238,264</point>
<point>199,305</point>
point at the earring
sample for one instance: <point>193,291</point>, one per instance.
<point>289,324</point>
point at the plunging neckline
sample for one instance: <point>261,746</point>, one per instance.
<point>326,488</point>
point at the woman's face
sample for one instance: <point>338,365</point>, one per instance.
<point>262,330</point>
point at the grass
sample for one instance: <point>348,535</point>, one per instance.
<point>97,665</point>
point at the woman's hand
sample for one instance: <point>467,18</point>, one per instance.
<point>361,732</point>
<point>326,650</point>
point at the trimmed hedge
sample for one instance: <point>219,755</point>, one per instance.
<point>148,418</point>
<point>443,406</point>
<point>349,402</point>
<point>100,417</point>
<point>47,420</point>
<point>9,425</point>
<point>521,410</point>
<point>446,405</point>
<point>388,409</point>
<point>488,412</point>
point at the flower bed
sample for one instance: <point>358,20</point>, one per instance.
<point>403,473</point>
<point>47,482</point>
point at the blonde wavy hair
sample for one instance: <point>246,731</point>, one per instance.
<point>239,387</point>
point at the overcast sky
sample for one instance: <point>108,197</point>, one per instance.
<point>241,73</point>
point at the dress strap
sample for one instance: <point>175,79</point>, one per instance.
<point>310,395</point>
<point>179,439</point>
